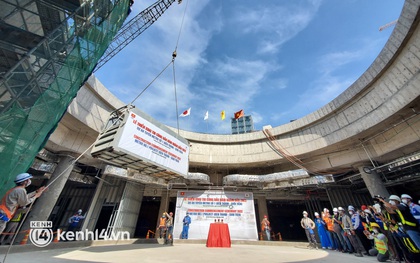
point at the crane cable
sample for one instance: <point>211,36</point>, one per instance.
<point>174,54</point>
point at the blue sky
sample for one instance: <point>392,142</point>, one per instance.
<point>278,60</point>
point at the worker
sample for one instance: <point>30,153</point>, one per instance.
<point>358,229</point>
<point>162,225</point>
<point>309,226</point>
<point>169,240</point>
<point>381,243</point>
<point>17,197</point>
<point>349,230</point>
<point>414,208</point>
<point>74,220</point>
<point>266,228</point>
<point>185,226</point>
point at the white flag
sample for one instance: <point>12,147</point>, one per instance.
<point>206,116</point>
<point>186,113</point>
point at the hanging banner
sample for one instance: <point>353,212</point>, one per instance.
<point>204,207</point>
<point>151,143</point>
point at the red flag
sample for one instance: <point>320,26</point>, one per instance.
<point>185,113</point>
<point>239,114</point>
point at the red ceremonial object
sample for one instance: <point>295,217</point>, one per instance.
<point>239,114</point>
<point>219,235</point>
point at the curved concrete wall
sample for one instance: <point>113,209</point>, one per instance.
<point>330,137</point>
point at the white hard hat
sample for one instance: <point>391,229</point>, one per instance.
<point>340,208</point>
<point>406,196</point>
<point>377,208</point>
<point>395,197</point>
<point>22,177</point>
<point>304,212</point>
<point>79,211</point>
<point>335,209</point>
<point>316,214</point>
<point>351,208</point>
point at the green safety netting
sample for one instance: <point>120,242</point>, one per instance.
<point>35,93</point>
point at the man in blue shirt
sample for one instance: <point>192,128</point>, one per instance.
<point>414,208</point>
<point>186,225</point>
<point>74,221</point>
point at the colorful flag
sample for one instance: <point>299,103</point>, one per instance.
<point>186,113</point>
<point>206,116</point>
<point>239,114</point>
<point>222,115</point>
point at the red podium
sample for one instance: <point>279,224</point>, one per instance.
<point>219,235</point>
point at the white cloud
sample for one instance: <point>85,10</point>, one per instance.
<point>274,25</point>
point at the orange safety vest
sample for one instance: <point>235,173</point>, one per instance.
<point>162,222</point>
<point>265,224</point>
<point>3,206</point>
<point>329,222</point>
<point>381,246</point>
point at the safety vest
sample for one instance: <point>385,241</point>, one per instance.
<point>405,222</point>
<point>387,217</point>
<point>329,223</point>
<point>409,243</point>
<point>17,218</point>
<point>162,221</point>
<point>3,206</point>
<point>381,246</point>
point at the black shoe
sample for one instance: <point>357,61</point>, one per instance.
<point>358,255</point>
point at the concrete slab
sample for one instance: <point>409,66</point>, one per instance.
<point>253,252</point>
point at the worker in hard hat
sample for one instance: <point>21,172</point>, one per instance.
<point>380,250</point>
<point>359,228</point>
<point>414,208</point>
<point>338,230</point>
<point>349,230</point>
<point>309,226</point>
<point>162,225</point>
<point>74,221</point>
<point>322,232</point>
<point>169,240</point>
<point>17,197</point>
<point>185,226</point>
<point>266,227</point>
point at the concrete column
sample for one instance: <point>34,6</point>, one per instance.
<point>128,212</point>
<point>44,205</point>
<point>373,181</point>
<point>94,209</point>
<point>262,207</point>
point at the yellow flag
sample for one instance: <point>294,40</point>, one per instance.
<point>222,115</point>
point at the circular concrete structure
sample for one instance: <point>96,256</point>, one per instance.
<point>374,122</point>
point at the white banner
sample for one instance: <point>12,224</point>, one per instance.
<point>148,142</point>
<point>204,207</point>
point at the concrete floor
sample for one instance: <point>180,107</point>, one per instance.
<point>254,252</point>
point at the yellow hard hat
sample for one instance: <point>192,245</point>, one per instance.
<point>374,225</point>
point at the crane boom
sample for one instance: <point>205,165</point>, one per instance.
<point>133,28</point>
<point>388,25</point>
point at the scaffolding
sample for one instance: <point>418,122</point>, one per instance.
<point>48,48</point>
